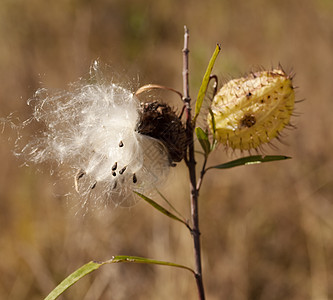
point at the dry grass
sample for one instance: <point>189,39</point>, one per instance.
<point>266,230</point>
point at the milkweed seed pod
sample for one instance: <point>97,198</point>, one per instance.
<point>251,111</point>
<point>109,142</point>
<point>161,122</point>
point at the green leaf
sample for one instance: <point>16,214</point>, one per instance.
<point>203,139</point>
<point>142,260</point>
<point>170,204</point>
<point>161,209</point>
<point>73,278</point>
<point>205,82</point>
<point>249,160</point>
<point>92,266</point>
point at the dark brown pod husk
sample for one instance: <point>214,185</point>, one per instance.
<point>159,121</point>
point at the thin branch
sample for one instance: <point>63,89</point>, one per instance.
<point>186,88</point>
<point>215,85</point>
<point>191,165</point>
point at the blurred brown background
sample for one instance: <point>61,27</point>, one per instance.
<point>266,229</point>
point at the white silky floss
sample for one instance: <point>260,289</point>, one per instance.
<point>92,129</point>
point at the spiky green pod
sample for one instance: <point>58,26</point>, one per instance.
<point>252,110</point>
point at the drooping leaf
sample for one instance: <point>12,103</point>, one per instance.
<point>160,208</point>
<point>203,139</point>
<point>205,82</point>
<point>170,204</point>
<point>249,160</point>
<point>73,278</point>
<point>143,260</point>
<point>92,266</point>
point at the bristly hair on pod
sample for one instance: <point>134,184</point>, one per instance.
<point>251,111</point>
<point>92,128</point>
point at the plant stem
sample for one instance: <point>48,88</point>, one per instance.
<point>191,164</point>
<point>202,174</point>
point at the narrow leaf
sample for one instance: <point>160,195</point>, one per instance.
<point>73,278</point>
<point>92,266</point>
<point>142,260</point>
<point>249,160</point>
<point>160,208</point>
<point>203,139</point>
<point>170,204</point>
<point>205,82</point>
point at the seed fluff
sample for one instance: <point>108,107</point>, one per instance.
<point>92,129</point>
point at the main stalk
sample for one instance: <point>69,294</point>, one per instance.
<point>191,164</point>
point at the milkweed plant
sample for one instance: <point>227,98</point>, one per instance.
<point>118,149</point>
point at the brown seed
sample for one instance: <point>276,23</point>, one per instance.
<point>93,185</point>
<point>114,167</point>
<point>135,180</point>
<point>122,170</point>
<point>80,174</point>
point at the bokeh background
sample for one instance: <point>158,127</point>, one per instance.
<point>267,230</point>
